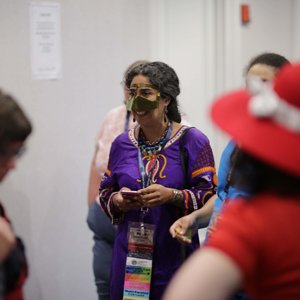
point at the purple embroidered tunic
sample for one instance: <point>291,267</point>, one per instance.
<point>123,171</point>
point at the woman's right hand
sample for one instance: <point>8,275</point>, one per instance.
<point>183,228</point>
<point>125,204</point>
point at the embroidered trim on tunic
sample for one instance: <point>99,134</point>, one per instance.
<point>108,172</point>
<point>171,141</point>
<point>203,170</point>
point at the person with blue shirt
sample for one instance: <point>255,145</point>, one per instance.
<point>254,245</point>
<point>264,66</point>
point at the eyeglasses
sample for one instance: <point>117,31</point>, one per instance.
<point>146,91</point>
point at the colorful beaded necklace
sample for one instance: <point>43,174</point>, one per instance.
<point>151,148</point>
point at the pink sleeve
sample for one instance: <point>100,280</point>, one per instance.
<point>112,126</point>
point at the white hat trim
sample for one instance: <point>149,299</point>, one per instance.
<point>265,103</point>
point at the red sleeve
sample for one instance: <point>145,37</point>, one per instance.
<point>237,234</point>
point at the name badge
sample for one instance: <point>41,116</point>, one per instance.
<point>139,261</point>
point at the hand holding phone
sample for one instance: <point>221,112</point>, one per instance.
<point>131,195</point>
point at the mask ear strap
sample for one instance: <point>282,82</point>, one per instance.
<point>129,104</point>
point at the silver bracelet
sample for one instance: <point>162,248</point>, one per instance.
<point>177,195</point>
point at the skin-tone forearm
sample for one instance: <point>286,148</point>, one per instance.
<point>182,228</point>
<point>94,182</point>
<point>208,274</point>
<point>205,212</point>
<point>7,239</point>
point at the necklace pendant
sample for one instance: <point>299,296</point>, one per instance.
<point>152,153</point>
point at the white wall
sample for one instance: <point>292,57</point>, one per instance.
<point>209,47</point>
<point>204,42</point>
<point>275,34</point>
<point>46,196</point>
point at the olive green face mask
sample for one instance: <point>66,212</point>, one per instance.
<point>141,103</point>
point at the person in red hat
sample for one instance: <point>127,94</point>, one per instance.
<point>264,66</point>
<point>255,245</point>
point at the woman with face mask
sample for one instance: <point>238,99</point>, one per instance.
<point>157,172</point>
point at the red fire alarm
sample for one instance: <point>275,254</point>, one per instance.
<point>245,13</point>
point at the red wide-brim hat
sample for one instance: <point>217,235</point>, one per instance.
<point>268,136</point>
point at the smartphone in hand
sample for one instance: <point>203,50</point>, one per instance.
<point>132,195</point>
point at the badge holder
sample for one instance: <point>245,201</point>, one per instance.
<point>139,261</point>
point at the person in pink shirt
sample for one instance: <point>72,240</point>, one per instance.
<point>116,121</point>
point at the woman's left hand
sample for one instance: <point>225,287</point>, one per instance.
<point>156,194</point>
